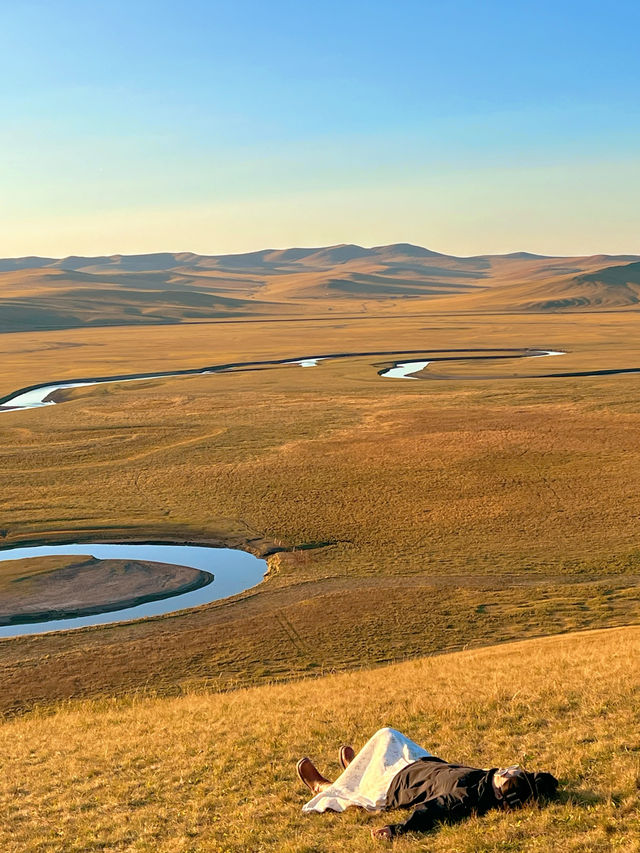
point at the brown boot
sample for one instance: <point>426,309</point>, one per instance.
<point>346,756</point>
<point>311,776</point>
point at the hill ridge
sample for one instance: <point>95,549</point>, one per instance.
<point>39,293</point>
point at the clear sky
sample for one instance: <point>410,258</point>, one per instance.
<point>214,126</point>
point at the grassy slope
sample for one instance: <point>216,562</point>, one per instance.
<point>216,772</point>
<point>465,512</point>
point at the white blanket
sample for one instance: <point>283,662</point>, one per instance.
<point>366,780</point>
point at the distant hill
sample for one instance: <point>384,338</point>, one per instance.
<point>179,287</point>
<point>611,287</point>
<point>556,289</point>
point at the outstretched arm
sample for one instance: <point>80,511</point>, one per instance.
<point>448,807</point>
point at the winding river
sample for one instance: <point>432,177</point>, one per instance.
<point>36,396</point>
<point>232,572</point>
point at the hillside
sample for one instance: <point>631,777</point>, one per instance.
<point>45,293</point>
<point>606,288</point>
<point>206,772</point>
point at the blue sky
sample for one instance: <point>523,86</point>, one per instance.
<point>219,126</point>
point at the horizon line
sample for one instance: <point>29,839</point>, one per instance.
<point>515,253</point>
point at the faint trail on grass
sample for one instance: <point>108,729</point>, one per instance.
<point>296,640</point>
<point>135,456</point>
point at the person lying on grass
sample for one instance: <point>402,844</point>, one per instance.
<point>391,772</point>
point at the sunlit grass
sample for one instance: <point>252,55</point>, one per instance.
<point>216,772</point>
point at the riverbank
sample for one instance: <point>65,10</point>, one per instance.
<point>103,584</point>
<point>50,393</point>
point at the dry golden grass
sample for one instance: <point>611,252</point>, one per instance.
<point>206,772</point>
<point>439,515</point>
<point>595,341</point>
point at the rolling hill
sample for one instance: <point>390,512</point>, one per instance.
<point>47,293</point>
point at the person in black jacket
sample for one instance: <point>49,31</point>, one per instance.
<point>440,791</point>
<point>435,789</point>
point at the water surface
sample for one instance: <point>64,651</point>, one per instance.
<point>233,571</point>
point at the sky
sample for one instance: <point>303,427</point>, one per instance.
<point>213,126</point>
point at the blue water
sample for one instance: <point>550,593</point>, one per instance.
<point>233,571</point>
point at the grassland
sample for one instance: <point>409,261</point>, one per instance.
<point>412,517</point>
<point>401,521</point>
<point>214,773</point>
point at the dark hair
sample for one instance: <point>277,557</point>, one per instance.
<point>519,789</point>
<point>545,785</point>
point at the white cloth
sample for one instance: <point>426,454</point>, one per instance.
<point>366,780</point>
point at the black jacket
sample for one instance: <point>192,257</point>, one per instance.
<point>439,791</point>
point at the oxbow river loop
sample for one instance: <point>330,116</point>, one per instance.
<point>232,572</point>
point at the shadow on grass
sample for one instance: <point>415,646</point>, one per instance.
<point>570,797</point>
<point>580,797</point>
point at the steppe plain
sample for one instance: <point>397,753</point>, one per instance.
<point>400,519</point>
